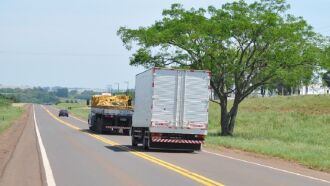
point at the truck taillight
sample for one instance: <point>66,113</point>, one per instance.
<point>209,72</point>
<point>158,135</point>
<point>200,137</point>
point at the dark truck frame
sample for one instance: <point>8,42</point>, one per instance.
<point>114,122</point>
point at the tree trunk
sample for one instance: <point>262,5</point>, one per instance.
<point>262,91</point>
<point>232,118</point>
<point>228,119</point>
<point>224,118</point>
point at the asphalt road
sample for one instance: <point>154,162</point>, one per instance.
<point>78,157</point>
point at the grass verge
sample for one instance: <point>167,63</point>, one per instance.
<point>9,112</point>
<point>293,128</point>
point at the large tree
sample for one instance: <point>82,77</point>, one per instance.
<point>325,65</point>
<point>244,45</point>
<point>326,78</point>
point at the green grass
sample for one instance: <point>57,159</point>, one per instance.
<point>292,128</point>
<point>79,109</point>
<point>8,113</point>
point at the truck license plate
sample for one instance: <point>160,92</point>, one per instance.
<point>123,119</point>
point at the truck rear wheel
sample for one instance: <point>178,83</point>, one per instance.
<point>99,126</point>
<point>91,128</point>
<point>145,143</point>
<point>134,143</point>
<point>126,132</point>
<point>200,147</point>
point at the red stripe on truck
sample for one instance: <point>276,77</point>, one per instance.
<point>159,140</point>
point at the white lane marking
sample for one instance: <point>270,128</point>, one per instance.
<point>48,170</point>
<point>266,166</point>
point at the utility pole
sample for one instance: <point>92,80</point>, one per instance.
<point>127,86</point>
<point>117,87</point>
<point>109,87</point>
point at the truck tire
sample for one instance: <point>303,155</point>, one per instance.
<point>126,132</point>
<point>145,143</point>
<point>134,143</point>
<point>99,125</point>
<point>91,124</point>
<point>200,147</point>
<point>91,128</point>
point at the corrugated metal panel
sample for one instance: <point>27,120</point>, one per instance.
<point>164,101</point>
<point>181,98</point>
<point>196,98</point>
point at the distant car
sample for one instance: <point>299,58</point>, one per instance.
<point>63,113</point>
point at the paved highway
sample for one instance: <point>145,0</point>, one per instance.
<point>78,157</point>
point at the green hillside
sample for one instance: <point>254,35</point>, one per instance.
<point>294,128</point>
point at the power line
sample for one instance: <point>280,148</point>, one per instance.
<point>57,54</point>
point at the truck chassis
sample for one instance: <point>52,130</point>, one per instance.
<point>107,120</point>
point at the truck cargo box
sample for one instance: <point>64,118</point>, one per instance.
<point>172,105</point>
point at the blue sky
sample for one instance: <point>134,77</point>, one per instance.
<point>74,43</point>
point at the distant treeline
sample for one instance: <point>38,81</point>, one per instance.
<point>47,95</point>
<point>5,101</point>
<point>30,95</point>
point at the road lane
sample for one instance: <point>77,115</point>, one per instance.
<point>78,159</point>
<point>229,172</point>
<point>191,175</point>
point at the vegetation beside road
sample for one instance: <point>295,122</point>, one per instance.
<point>8,112</point>
<point>295,128</point>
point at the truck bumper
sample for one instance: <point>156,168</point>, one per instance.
<point>116,129</point>
<point>175,146</point>
<point>176,141</point>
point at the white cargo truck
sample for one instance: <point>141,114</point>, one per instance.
<point>171,109</point>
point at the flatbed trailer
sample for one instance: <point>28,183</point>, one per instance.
<point>114,119</point>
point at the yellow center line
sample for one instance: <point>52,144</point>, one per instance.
<point>194,176</point>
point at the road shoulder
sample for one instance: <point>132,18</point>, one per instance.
<point>21,165</point>
<point>267,161</point>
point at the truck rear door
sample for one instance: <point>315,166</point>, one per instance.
<point>180,98</point>
<point>164,98</point>
<point>196,99</point>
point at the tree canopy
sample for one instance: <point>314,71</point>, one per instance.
<point>245,46</point>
